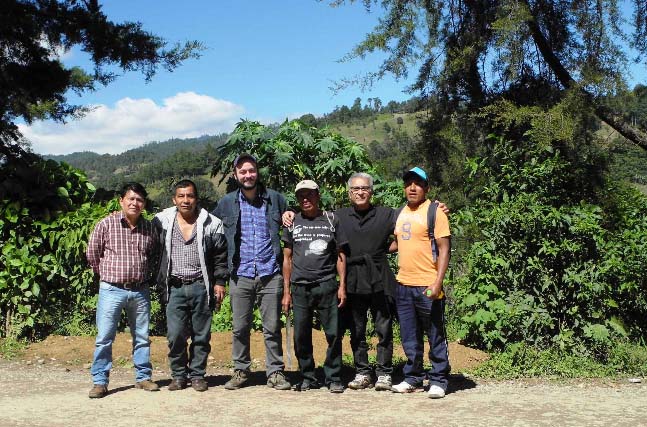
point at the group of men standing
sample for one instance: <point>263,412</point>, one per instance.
<point>333,263</point>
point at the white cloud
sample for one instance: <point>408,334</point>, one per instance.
<point>134,122</point>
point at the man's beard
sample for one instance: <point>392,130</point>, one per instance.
<point>245,186</point>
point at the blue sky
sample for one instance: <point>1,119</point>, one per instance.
<point>266,60</point>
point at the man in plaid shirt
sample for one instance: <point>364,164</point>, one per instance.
<point>123,251</point>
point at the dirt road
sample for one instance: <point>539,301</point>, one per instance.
<point>45,395</point>
<point>45,392</point>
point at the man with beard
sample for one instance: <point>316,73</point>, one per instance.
<point>251,216</point>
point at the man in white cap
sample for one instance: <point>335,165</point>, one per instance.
<point>313,259</point>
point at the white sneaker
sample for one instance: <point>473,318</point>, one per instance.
<point>435,392</point>
<point>403,387</point>
<point>383,383</point>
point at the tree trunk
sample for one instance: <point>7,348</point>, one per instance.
<point>603,113</point>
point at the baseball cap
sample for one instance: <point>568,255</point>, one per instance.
<point>417,173</point>
<point>243,156</point>
<point>306,184</point>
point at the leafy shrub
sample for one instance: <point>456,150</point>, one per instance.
<point>548,269</point>
<point>43,239</point>
<point>222,319</point>
<point>10,348</point>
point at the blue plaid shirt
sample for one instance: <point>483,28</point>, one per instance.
<point>256,255</point>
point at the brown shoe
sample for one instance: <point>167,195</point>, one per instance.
<point>177,384</point>
<point>98,391</point>
<point>199,384</point>
<point>147,385</point>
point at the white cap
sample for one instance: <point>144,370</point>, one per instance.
<point>307,184</point>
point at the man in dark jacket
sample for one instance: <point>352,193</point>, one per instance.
<point>370,282</point>
<point>251,218</point>
<point>193,272</point>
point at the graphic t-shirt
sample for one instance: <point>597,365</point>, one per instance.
<point>314,243</point>
<point>415,259</point>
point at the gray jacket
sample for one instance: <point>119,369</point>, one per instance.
<point>212,247</point>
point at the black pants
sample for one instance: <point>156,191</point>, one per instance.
<point>356,318</point>
<point>321,297</point>
<point>188,315</point>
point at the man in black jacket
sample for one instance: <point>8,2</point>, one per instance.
<point>251,219</point>
<point>369,280</point>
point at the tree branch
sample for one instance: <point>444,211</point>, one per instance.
<point>605,114</point>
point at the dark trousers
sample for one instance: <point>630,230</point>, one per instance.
<point>356,318</point>
<point>188,315</point>
<point>321,297</point>
<point>419,316</point>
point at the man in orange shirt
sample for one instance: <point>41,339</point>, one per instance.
<point>420,299</point>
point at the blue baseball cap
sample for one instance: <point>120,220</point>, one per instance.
<point>415,173</point>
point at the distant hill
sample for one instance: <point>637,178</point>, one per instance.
<point>390,133</point>
<point>147,163</point>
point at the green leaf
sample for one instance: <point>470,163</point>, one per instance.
<point>62,191</point>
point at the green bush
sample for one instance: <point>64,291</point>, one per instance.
<point>547,268</point>
<point>292,152</point>
<point>11,348</point>
<point>45,217</point>
<point>222,319</point>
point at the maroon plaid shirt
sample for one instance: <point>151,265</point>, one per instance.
<point>121,255</point>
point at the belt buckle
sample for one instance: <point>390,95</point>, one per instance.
<point>128,286</point>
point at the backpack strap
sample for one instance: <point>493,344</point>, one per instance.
<point>330,221</point>
<point>431,225</point>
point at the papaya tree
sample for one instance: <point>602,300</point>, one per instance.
<point>293,152</point>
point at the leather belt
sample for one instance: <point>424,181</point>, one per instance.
<point>177,281</point>
<point>130,285</point>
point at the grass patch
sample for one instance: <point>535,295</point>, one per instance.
<point>367,130</point>
<point>11,348</point>
<point>522,361</point>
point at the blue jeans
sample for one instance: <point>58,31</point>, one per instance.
<point>112,301</point>
<point>188,315</point>
<point>419,316</point>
